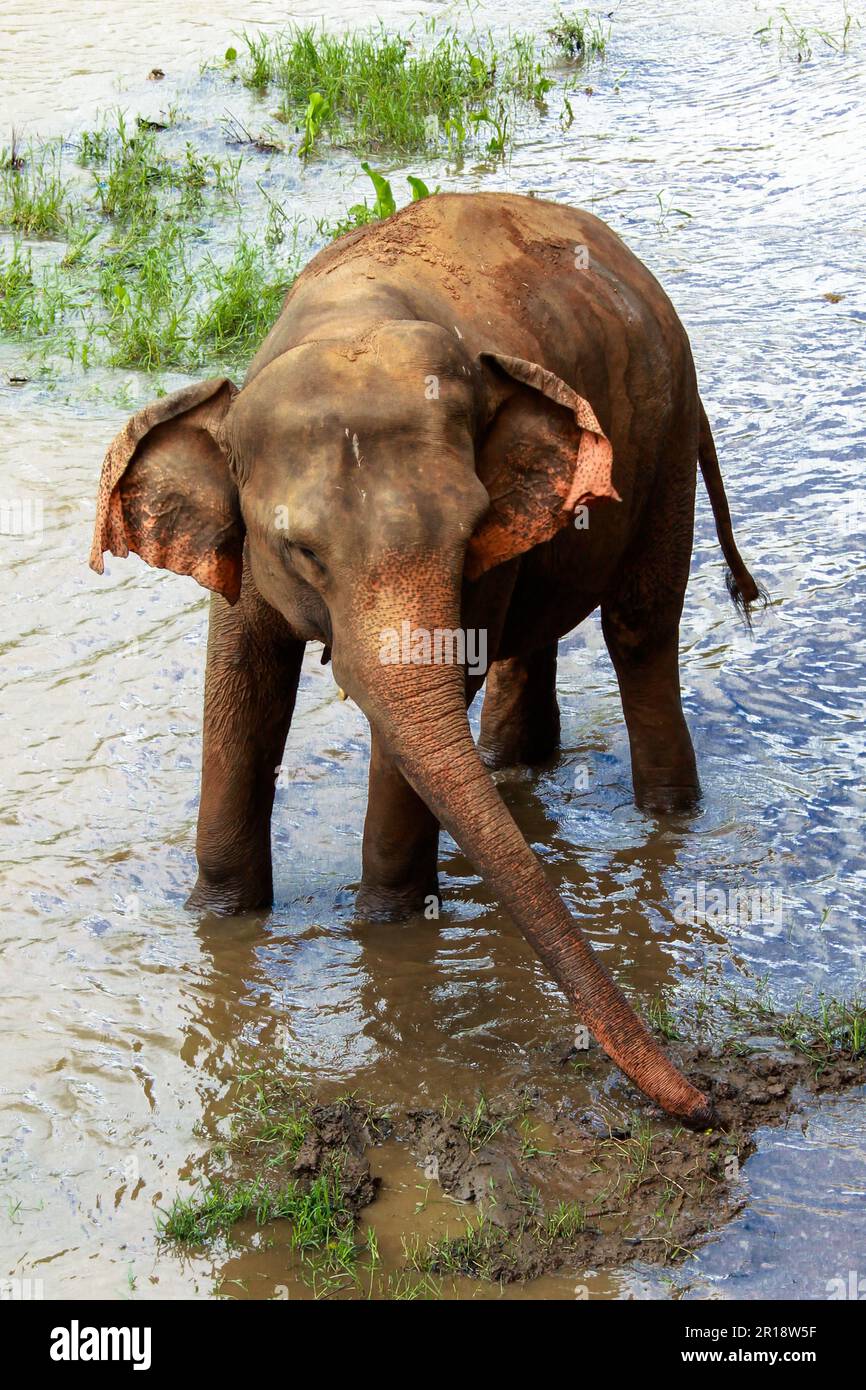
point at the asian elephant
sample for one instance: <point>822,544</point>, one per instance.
<point>479,416</point>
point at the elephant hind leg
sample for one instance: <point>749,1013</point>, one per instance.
<point>520,717</point>
<point>640,621</point>
<point>664,771</point>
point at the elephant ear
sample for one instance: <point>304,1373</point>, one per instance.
<point>544,454</point>
<point>166,490</point>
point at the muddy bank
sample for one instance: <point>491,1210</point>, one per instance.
<point>538,1185</point>
<point>558,1188</point>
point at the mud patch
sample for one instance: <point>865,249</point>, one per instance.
<point>538,1185</point>
<point>337,1138</point>
<point>554,1188</point>
<point>276,1131</point>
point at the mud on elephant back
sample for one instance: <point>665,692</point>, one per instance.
<point>443,395</point>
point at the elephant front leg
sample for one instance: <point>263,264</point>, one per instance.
<point>401,845</point>
<point>520,717</point>
<point>253,667</point>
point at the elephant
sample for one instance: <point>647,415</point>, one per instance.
<point>478,416</point>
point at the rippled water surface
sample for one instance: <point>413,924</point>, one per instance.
<point>124,1017</point>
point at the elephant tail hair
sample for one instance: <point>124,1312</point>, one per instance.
<point>746,593</point>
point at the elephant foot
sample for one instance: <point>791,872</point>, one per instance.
<point>518,752</point>
<point>229,898</point>
<point>377,903</point>
<point>520,715</point>
<point>668,800</point>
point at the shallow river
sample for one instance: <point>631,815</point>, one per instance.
<point>124,1018</point>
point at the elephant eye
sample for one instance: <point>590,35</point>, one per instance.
<point>306,556</point>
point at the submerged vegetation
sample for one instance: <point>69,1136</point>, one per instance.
<point>132,288</point>
<point>289,1160</point>
<point>35,199</point>
<point>822,1030</point>
<point>579,36</point>
<point>138,286</point>
<point>796,38</point>
<point>129,249</point>
<point>320,1217</point>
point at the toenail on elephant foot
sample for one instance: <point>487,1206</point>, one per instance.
<point>389,904</point>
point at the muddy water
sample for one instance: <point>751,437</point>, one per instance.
<point>124,1018</point>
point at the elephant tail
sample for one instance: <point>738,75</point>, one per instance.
<point>745,592</point>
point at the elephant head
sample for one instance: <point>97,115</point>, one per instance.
<point>367,483</point>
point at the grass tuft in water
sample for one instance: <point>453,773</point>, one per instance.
<point>580,36</point>
<point>480,1125</point>
<point>271,1118</point>
<point>322,1221</point>
<point>375,90</point>
<point>134,287</point>
<point>825,1030</point>
<point>33,194</point>
<point>661,1015</point>
<point>243,302</point>
<point>795,39</point>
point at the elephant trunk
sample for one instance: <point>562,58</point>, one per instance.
<point>421,711</point>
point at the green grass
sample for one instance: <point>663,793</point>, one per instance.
<point>478,1125</point>
<point>579,36</point>
<point>170,260</point>
<point>243,301</point>
<point>384,204</point>
<point>407,1286</point>
<point>271,1117</point>
<point>476,1253</point>
<point>141,287</point>
<point>321,1220</point>
<point>203,1217</point>
<point>134,182</point>
<point>135,288</point>
<point>138,285</point>
<point>19,302</point>
<point>33,303</point>
<point>33,195</point>
<point>375,90</point>
<point>529,1149</point>
<point>636,1149</point>
<point>662,1017</point>
<point>826,1029</point>
<point>566,1222</point>
<point>485,1250</point>
<point>796,39</point>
